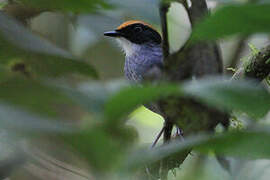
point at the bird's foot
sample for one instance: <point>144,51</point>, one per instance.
<point>179,134</point>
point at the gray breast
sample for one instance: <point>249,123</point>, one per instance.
<point>141,62</point>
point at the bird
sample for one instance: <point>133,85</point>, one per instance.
<point>142,46</point>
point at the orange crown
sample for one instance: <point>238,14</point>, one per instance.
<point>127,23</point>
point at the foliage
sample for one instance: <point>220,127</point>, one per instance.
<point>43,88</point>
<point>26,46</point>
<point>247,19</point>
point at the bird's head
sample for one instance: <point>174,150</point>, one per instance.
<point>133,35</point>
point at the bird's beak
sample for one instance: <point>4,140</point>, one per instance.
<point>112,34</point>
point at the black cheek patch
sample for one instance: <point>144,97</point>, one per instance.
<point>155,37</point>
<point>146,36</point>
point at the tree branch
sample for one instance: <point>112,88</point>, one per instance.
<point>163,10</point>
<point>196,60</point>
<point>168,126</point>
<point>197,11</point>
<point>259,65</point>
<point>257,68</point>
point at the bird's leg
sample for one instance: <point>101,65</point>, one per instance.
<point>168,126</point>
<point>158,136</point>
<point>179,133</point>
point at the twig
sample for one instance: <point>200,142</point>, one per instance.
<point>163,9</point>
<point>237,52</point>
<point>185,5</point>
<point>157,138</point>
<point>197,11</point>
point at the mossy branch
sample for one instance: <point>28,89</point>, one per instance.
<point>257,67</point>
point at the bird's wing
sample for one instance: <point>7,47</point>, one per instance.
<point>154,73</point>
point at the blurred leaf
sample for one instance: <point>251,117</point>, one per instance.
<point>33,96</point>
<point>2,4</point>
<point>102,147</point>
<point>92,101</point>
<point>245,144</point>
<point>94,145</point>
<point>43,57</point>
<point>245,96</point>
<point>17,120</point>
<point>69,5</point>
<point>93,95</point>
<point>129,98</point>
<point>249,144</point>
<point>234,19</point>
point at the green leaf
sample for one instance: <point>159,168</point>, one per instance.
<point>244,96</point>
<point>246,144</point>
<point>19,44</point>
<point>50,97</point>
<point>34,96</point>
<point>234,19</point>
<point>17,120</point>
<point>94,145</point>
<point>2,4</point>
<point>92,96</point>
<point>103,148</point>
<point>69,5</point>
<point>129,98</point>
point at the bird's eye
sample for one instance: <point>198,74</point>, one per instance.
<point>138,29</point>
